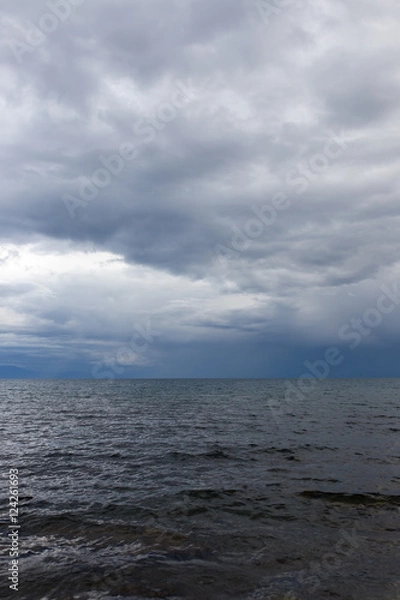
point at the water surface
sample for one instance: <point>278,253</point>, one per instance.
<point>196,489</point>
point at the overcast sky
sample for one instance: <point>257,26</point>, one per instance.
<point>199,187</point>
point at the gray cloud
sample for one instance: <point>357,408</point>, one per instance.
<point>260,108</point>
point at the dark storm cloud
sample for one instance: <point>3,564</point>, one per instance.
<point>173,126</point>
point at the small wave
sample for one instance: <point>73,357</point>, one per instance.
<point>371,499</point>
<point>210,494</point>
<point>184,456</point>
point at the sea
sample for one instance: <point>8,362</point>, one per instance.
<point>210,489</point>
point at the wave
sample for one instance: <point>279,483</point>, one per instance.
<point>369,499</point>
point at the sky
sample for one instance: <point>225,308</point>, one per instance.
<point>199,188</point>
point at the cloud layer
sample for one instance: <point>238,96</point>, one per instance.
<point>221,175</point>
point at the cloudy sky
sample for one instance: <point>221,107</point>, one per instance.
<point>199,187</point>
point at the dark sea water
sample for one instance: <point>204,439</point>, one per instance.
<point>196,489</point>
